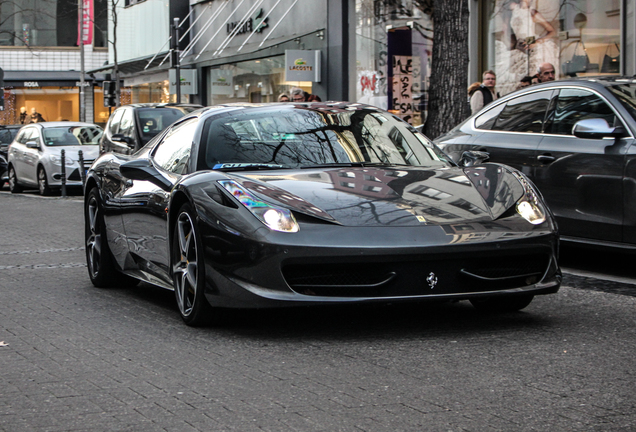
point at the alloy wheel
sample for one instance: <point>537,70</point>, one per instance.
<point>185,268</point>
<point>94,237</point>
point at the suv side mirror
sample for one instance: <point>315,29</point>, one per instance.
<point>473,157</point>
<point>596,128</point>
<point>124,139</point>
<point>32,144</point>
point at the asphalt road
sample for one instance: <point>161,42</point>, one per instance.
<point>74,357</point>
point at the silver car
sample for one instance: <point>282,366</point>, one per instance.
<point>35,155</point>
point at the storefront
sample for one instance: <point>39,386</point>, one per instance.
<point>54,95</point>
<point>393,56</point>
<point>243,60</point>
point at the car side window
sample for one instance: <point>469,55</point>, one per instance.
<point>574,105</point>
<point>35,135</point>
<point>23,135</point>
<point>126,124</point>
<point>113,127</point>
<point>173,153</point>
<point>525,113</point>
<point>487,119</point>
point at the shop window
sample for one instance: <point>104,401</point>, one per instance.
<point>254,81</point>
<point>578,37</point>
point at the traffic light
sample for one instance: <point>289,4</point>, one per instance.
<point>109,90</point>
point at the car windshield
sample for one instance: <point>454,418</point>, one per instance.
<point>154,120</point>
<point>285,137</point>
<point>72,135</point>
<point>7,135</point>
<point>626,94</point>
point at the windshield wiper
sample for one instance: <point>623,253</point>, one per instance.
<point>246,166</point>
<point>347,164</point>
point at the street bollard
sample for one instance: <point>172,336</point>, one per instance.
<point>82,171</point>
<point>63,157</point>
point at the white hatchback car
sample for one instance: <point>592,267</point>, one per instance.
<point>35,155</point>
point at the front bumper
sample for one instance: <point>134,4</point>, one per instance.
<point>366,265</point>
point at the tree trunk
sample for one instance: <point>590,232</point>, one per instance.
<point>447,97</point>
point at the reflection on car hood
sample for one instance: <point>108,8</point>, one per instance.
<point>404,196</point>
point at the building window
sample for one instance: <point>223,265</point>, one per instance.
<point>252,81</point>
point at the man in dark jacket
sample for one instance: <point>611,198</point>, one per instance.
<point>486,93</point>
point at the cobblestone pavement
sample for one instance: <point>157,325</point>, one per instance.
<point>78,358</point>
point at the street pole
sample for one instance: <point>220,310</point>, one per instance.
<point>81,43</point>
<point>175,36</point>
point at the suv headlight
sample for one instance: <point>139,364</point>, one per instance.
<point>57,160</point>
<point>529,206</point>
<point>275,218</point>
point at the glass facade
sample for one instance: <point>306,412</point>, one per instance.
<point>578,37</point>
<point>393,54</point>
<point>252,81</point>
<point>48,23</point>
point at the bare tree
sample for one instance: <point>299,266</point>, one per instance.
<point>448,102</point>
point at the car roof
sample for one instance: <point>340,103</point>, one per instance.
<point>61,124</point>
<point>162,105</point>
<point>324,107</point>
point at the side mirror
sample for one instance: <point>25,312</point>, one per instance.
<point>122,139</point>
<point>144,170</point>
<point>473,157</point>
<point>32,144</point>
<point>596,128</point>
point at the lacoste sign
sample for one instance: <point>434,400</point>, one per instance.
<point>302,65</point>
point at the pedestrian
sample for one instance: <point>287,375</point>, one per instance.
<point>485,93</point>
<point>23,115</point>
<point>546,72</point>
<point>297,94</point>
<point>35,117</point>
<point>314,98</point>
<point>524,82</point>
<point>283,97</point>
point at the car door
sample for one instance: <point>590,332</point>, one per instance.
<point>32,156</point>
<point>144,204</point>
<point>582,178</point>
<point>16,152</point>
<point>512,132</point>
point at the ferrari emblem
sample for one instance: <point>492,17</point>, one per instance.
<point>421,219</point>
<point>432,280</point>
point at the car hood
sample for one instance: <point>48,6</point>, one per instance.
<point>408,196</point>
<point>89,152</point>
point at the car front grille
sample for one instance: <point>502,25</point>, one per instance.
<point>412,277</point>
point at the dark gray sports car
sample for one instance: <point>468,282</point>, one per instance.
<point>275,205</point>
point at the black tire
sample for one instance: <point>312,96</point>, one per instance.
<point>99,259</point>
<point>188,270</point>
<point>43,182</point>
<point>502,304</point>
<point>14,187</point>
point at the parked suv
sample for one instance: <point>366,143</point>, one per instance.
<point>130,127</point>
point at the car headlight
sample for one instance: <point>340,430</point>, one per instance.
<point>57,160</point>
<point>276,218</point>
<point>529,205</point>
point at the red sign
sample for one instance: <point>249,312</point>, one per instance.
<point>86,22</point>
